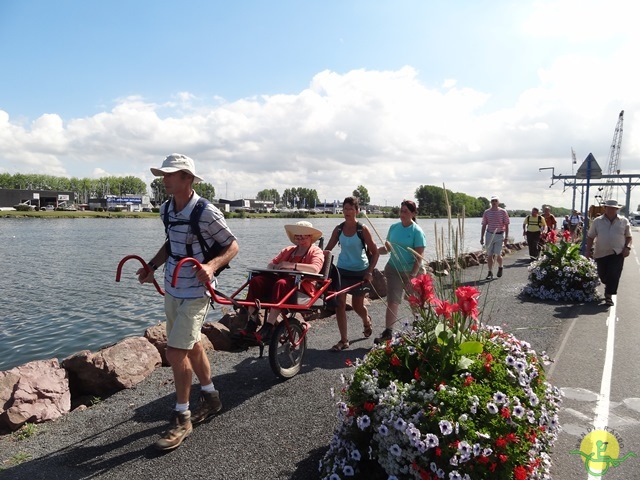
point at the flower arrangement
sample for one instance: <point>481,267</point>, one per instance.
<point>447,399</point>
<point>562,274</point>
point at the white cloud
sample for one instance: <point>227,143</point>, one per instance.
<point>385,130</point>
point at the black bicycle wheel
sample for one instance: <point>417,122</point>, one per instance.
<point>284,356</point>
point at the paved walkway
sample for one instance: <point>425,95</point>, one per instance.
<point>271,429</point>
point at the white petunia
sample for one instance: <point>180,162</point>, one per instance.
<point>445,427</point>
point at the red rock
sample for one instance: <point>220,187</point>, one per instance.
<point>112,368</point>
<point>34,392</point>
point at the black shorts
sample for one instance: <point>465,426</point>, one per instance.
<point>350,277</point>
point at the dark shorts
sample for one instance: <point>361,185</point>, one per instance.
<point>349,278</point>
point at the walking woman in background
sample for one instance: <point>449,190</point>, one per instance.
<point>532,227</point>
<point>403,265</point>
<point>354,265</point>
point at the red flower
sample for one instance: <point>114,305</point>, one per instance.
<point>493,467</point>
<point>423,287</point>
<point>414,301</point>
<point>468,301</point>
<point>501,442</point>
<point>483,460</point>
<point>512,438</point>
<point>416,374</point>
<point>445,308</point>
<point>395,361</point>
<point>503,458</point>
<point>438,452</point>
<point>348,362</point>
<point>520,473</point>
<point>469,380</point>
<point>369,406</point>
<point>505,412</point>
<point>487,367</point>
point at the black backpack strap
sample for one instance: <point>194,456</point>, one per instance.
<point>208,251</point>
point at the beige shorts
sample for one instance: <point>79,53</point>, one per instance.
<point>398,283</point>
<point>184,320</point>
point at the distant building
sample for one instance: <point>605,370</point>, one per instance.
<point>10,197</point>
<point>247,204</point>
<point>124,203</point>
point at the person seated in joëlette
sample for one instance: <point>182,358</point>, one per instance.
<point>302,256</point>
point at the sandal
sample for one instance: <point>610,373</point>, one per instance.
<point>368,327</point>
<point>338,347</point>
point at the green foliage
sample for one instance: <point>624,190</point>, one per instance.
<point>435,201</point>
<point>362,194</point>
<point>28,430</point>
<point>300,197</point>
<point>17,459</point>
<point>269,194</point>
<point>205,190</point>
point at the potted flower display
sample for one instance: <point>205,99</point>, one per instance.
<point>447,398</point>
<point>561,273</point>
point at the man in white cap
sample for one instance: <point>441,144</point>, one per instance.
<point>187,304</point>
<point>495,232</point>
<point>612,237</point>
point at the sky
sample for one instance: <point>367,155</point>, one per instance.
<point>471,95</point>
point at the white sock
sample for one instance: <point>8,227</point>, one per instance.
<point>182,407</point>
<point>208,388</point>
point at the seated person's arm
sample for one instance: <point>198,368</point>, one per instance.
<point>313,261</point>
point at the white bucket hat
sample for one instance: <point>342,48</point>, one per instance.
<point>176,162</point>
<point>612,203</point>
<point>302,228</point>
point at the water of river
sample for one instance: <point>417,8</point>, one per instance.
<point>59,294</point>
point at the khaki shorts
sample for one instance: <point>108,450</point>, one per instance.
<point>398,283</point>
<point>184,320</point>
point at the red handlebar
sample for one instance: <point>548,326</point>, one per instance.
<point>144,265</point>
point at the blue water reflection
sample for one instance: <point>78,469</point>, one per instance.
<point>59,294</point>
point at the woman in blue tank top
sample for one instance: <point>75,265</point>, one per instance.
<point>354,265</point>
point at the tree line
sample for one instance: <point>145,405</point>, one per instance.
<point>83,188</point>
<point>432,201</point>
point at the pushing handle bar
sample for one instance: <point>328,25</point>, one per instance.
<point>144,265</point>
<point>215,294</point>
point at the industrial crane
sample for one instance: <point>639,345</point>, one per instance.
<point>613,166</point>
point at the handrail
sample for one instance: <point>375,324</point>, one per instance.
<point>144,265</point>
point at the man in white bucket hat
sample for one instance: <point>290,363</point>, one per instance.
<point>187,304</point>
<point>612,237</point>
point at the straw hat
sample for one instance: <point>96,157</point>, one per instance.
<point>612,203</point>
<point>176,162</point>
<point>302,228</point>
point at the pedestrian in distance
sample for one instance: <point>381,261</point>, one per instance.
<point>611,235</point>
<point>575,223</point>
<point>357,260</point>
<point>187,304</point>
<point>403,265</point>
<point>494,233</point>
<point>533,227</point>
<point>549,219</point>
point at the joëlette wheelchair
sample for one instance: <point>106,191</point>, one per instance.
<point>288,342</point>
